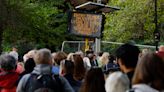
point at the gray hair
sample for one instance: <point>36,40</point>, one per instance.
<point>7,62</point>
<point>43,56</point>
<point>117,82</point>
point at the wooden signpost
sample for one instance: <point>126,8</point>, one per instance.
<point>87,20</point>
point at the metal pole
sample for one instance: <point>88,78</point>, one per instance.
<point>98,40</point>
<point>63,46</point>
<point>98,45</point>
<point>156,33</point>
<point>79,46</point>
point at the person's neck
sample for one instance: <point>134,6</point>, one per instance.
<point>126,70</point>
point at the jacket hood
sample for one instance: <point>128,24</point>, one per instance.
<point>144,88</point>
<point>42,69</point>
<point>8,79</point>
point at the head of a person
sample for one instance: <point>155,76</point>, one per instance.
<point>14,54</point>
<point>117,82</point>
<point>161,48</point>
<point>67,66</point>
<point>145,51</point>
<point>79,69</point>
<point>59,57</point>
<point>7,62</point>
<point>111,59</point>
<point>94,81</point>
<point>149,71</point>
<point>104,58</point>
<point>91,57</point>
<point>80,53</point>
<point>43,56</point>
<point>29,65</point>
<point>161,52</point>
<point>100,54</point>
<point>29,54</point>
<point>70,56</point>
<point>14,49</point>
<point>89,52</point>
<point>127,55</point>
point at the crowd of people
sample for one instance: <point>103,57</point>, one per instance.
<point>128,70</point>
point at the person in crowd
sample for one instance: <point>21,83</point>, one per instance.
<point>29,54</point>
<point>68,70</point>
<point>29,67</point>
<point>8,76</point>
<point>20,65</point>
<point>111,66</point>
<point>14,53</point>
<point>79,69</point>
<point>127,57</point>
<point>93,60</point>
<point>70,56</point>
<point>86,61</point>
<point>57,58</point>
<point>99,54</point>
<point>94,81</point>
<point>117,82</point>
<point>161,51</point>
<point>149,76</point>
<point>80,53</point>
<point>43,60</point>
<point>104,59</point>
<point>144,51</point>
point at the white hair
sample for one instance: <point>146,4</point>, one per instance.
<point>14,54</point>
<point>117,82</point>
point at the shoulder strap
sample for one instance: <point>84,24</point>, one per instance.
<point>132,90</point>
<point>58,80</point>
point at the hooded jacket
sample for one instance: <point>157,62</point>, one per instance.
<point>43,69</point>
<point>8,81</point>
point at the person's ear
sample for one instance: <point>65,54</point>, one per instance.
<point>119,61</point>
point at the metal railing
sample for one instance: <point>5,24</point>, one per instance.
<point>102,42</point>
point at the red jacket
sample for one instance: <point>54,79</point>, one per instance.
<point>161,54</point>
<point>8,81</point>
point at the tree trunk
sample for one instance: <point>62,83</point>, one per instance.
<point>2,21</point>
<point>1,33</point>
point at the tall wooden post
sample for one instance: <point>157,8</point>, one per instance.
<point>86,44</point>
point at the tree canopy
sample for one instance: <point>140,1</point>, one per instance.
<point>135,21</point>
<point>32,24</point>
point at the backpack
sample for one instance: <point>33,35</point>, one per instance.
<point>131,90</point>
<point>43,83</point>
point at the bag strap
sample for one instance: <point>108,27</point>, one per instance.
<point>132,90</point>
<point>58,80</point>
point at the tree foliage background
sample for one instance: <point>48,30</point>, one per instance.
<point>32,24</point>
<point>134,21</point>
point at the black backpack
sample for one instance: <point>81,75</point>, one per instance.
<point>43,83</point>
